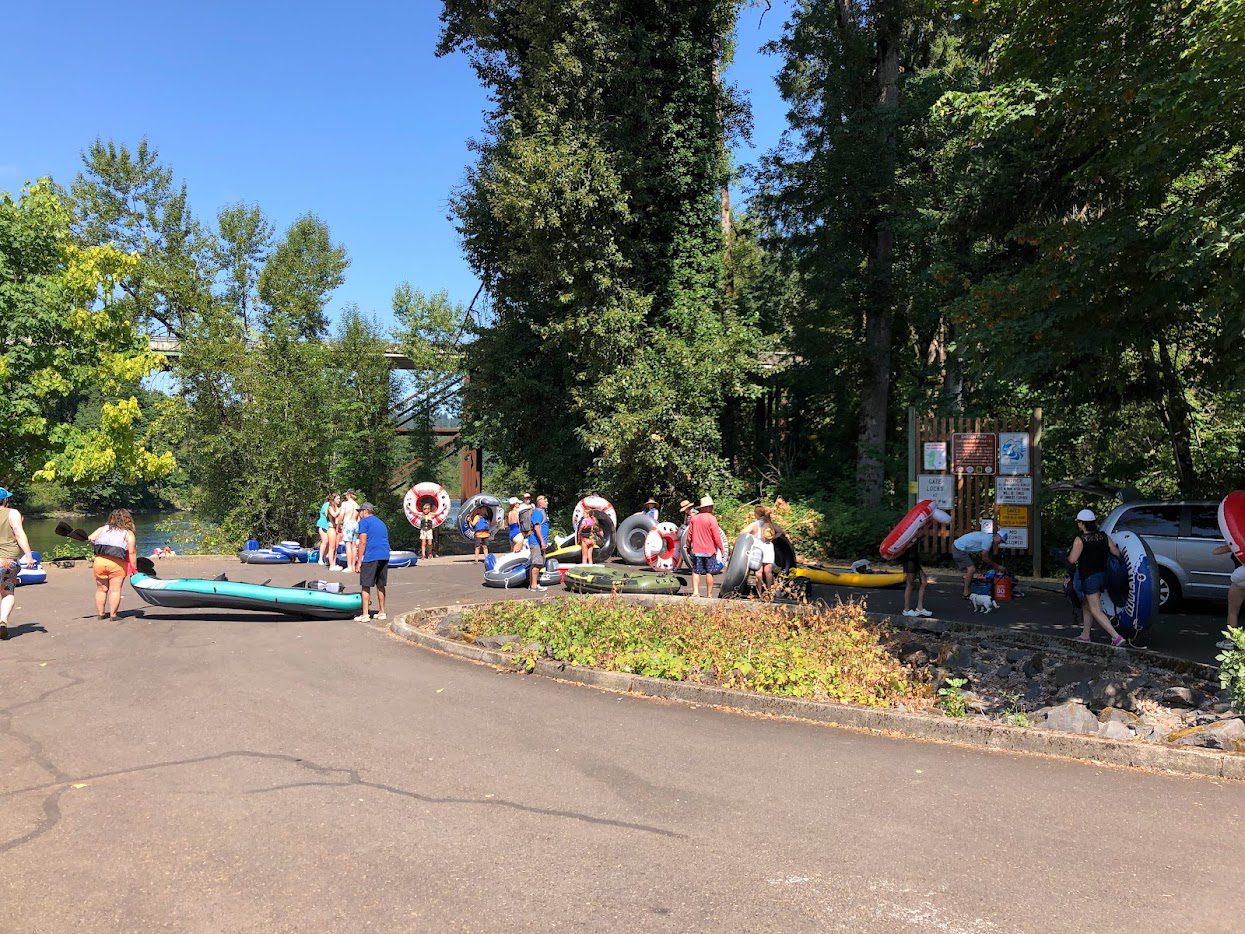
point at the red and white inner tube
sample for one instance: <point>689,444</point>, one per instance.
<point>431,494</point>
<point>1232,523</point>
<point>662,550</point>
<point>910,526</point>
<point>593,504</point>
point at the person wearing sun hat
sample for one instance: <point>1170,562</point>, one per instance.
<point>650,509</point>
<point>704,540</point>
<point>1089,555</point>
<point>13,546</point>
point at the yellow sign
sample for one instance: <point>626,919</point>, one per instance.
<point>1013,517</point>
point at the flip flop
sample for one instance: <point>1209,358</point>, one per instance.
<point>1087,641</point>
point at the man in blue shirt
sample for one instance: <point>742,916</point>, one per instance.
<point>966,549</point>
<point>374,571</point>
<point>538,539</point>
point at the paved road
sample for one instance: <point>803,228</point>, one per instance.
<point>229,773</point>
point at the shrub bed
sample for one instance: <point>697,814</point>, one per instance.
<point>835,654</point>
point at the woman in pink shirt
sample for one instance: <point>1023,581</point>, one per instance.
<point>704,540</point>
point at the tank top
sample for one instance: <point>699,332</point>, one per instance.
<point>111,544</point>
<point>1094,550</point>
<point>323,522</point>
<point>9,548</point>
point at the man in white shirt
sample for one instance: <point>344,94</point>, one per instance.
<point>968,548</point>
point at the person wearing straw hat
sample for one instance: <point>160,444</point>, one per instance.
<point>650,509</point>
<point>704,541</point>
<point>13,546</point>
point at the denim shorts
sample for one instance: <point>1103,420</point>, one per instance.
<point>1094,583</point>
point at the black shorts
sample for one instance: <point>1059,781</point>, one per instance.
<point>911,563</point>
<point>374,574</point>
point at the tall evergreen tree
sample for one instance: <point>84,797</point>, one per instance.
<point>594,216</point>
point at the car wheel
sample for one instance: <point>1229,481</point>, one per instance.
<point>1169,591</point>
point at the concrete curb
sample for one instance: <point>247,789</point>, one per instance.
<point>994,736</point>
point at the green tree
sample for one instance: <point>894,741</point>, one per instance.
<point>362,430</point>
<point>63,335</point>
<point>242,246</point>
<point>300,275</point>
<point>129,198</point>
<point>594,218</point>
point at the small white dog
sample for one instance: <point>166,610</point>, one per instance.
<point>982,603</point>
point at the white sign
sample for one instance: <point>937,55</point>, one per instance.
<point>1016,538</point>
<point>1013,491</point>
<point>938,487</point>
<point>935,455</point>
<point>1013,452</point>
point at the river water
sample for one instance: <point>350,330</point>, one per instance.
<point>43,539</point>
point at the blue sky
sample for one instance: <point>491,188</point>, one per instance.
<point>338,109</point>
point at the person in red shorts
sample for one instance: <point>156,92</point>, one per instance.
<point>704,540</point>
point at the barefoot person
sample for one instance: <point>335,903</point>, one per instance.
<point>13,546</point>
<point>704,538</point>
<point>517,541</point>
<point>974,548</point>
<point>1089,554</point>
<point>349,514</point>
<point>116,552</point>
<point>374,569</point>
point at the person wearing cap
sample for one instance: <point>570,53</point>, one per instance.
<point>968,550</point>
<point>1089,554</point>
<point>13,546</point>
<point>374,560</point>
<point>704,539</point>
<point>650,509</point>
<point>348,519</point>
<point>517,542</point>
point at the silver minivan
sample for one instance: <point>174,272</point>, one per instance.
<point>1182,536</point>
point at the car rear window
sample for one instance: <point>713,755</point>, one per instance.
<point>1157,521</point>
<point>1206,523</point>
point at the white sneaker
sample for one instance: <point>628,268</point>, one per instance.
<point>380,616</point>
<point>911,613</point>
<point>363,618</point>
<point>921,611</point>
<point>541,587</point>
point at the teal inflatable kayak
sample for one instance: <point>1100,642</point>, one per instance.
<point>599,578</point>
<point>191,593</point>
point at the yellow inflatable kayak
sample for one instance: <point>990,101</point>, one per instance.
<point>846,577</point>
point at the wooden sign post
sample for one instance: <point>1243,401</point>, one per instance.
<point>985,472</point>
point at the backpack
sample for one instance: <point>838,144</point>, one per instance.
<point>525,521</point>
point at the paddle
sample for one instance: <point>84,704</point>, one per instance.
<point>65,530</point>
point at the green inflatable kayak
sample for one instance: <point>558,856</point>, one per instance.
<point>600,578</point>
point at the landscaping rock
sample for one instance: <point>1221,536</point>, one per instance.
<point>1003,671</point>
<point>1073,672</point>
<point>1113,692</point>
<point>534,648</point>
<point>448,631</point>
<point>1034,693</point>
<point>1016,655</point>
<point>1074,692</point>
<point>1118,715</point>
<point>496,642</point>
<point>1221,734</point>
<point>961,658</point>
<point>1181,697</point>
<point>1114,729</point>
<point>1223,707</point>
<point>1032,666</point>
<point>1071,718</point>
